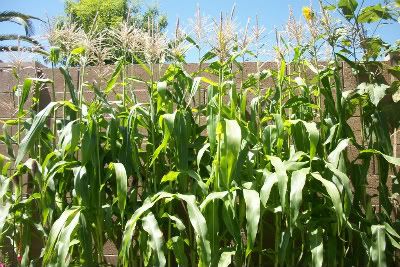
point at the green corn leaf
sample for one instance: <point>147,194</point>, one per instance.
<point>34,131</point>
<point>54,55</point>
<point>85,240</point>
<point>55,233</point>
<point>226,258</point>
<point>313,135</point>
<point>150,225</point>
<point>393,241</point>
<point>64,242</point>
<point>201,153</point>
<point>208,56</point>
<point>282,177</point>
<point>4,211</point>
<point>283,247</point>
<point>171,176</point>
<point>26,88</point>
<point>211,118</point>
<point>70,85</point>
<point>230,147</point>
<point>122,185</point>
<point>195,87</point>
<point>141,64</point>
<point>333,157</point>
<point>378,245</point>
<point>114,77</point>
<point>344,179</point>
<point>297,183</point>
<point>252,200</point>
<point>4,185</point>
<point>269,180</point>
<point>334,195</point>
<point>390,159</point>
<point>199,180</point>
<point>178,222</point>
<point>178,247</point>
<point>123,257</point>
<point>280,131</point>
<point>167,120</point>
<point>200,227</point>
<point>211,197</point>
<point>196,218</point>
<point>181,140</point>
<point>317,248</point>
<point>69,137</point>
<point>390,230</point>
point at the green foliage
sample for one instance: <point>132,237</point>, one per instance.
<point>105,14</point>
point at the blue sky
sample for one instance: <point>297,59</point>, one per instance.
<point>271,13</point>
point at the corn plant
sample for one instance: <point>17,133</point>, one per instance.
<point>266,172</point>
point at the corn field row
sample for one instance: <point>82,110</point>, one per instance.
<point>233,182</point>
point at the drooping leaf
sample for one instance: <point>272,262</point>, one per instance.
<point>211,197</point>
<point>150,225</point>
<point>333,157</point>
<point>200,227</point>
<point>64,242</point>
<point>334,195</point>
<point>55,233</point>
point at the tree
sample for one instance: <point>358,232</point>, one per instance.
<point>26,22</point>
<point>101,14</point>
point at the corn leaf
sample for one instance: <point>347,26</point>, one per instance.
<point>34,131</point>
<point>252,200</point>
<point>317,248</point>
<point>269,180</point>
<point>297,183</point>
<point>378,246</point>
<point>334,195</point>
<point>282,177</point>
<point>150,225</point>
<point>122,185</point>
<point>230,147</point>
